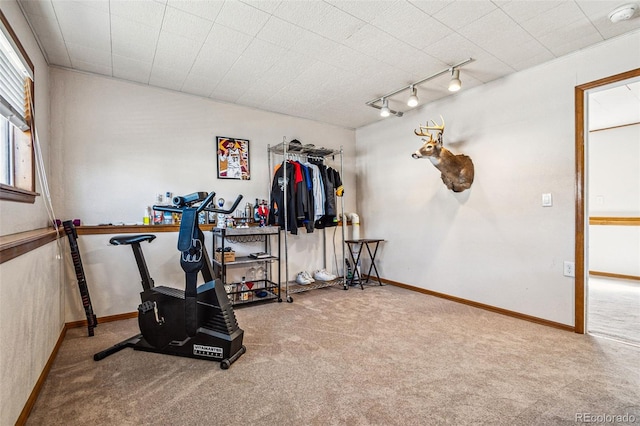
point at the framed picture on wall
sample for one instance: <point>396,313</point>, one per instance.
<point>233,158</point>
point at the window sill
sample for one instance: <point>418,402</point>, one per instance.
<point>11,193</point>
<point>14,245</point>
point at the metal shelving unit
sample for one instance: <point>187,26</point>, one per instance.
<point>288,151</point>
<point>264,287</point>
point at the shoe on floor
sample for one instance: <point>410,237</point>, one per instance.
<point>323,275</point>
<point>302,280</point>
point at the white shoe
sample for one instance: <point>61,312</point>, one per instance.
<point>302,280</point>
<point>323,275</point>
<point>308,276</point>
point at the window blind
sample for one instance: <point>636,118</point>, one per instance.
<point>15,83</point>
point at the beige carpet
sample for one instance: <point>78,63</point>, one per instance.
<point>613,309</point>
<point>379,356</point>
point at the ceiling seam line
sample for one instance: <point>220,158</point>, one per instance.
<point>155,51</point>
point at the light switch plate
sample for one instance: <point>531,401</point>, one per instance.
<point>547,200</point>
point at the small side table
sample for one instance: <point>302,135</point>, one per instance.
<point>365,242</point>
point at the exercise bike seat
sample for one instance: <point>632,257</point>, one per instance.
<point>120,240</point>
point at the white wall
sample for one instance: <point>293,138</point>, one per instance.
<point>31,293</point>
<point>120,143</point>
<point>614,190</point>
<point>31,320</point>
<point>494,244</point>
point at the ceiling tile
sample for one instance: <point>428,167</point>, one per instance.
<point>530,54</point>
<point>242,17</point>
<point>228,90</point>
<point>78,52</point>
<point>453,49</point>
<point>148,13</point>
<point>554,20</point>
<point>572,36</point>
<point>56,51</point>
<point>46,28</point>
<point>213,61</point>
<point>395,52</point>
<point>366,10</point>
<point>320,18</point>
<point>131,69</point>
<point>100,5</point>
<point>175,52</point>
<point>83,25</point>
<point>268,6</point>
<point>168,78</point>
<point>344,57</point>
<point>614,106</point>
<point>512,44</point>
<point>38,8</point>
<point>411,25</point>
<point>204,9</point>
<point>370,39</point>
<point>199,85</point>
<point>124,30</point>
<point>429,7</point>
<point>280,32</point>
<point>263,54</point>
<point>186,25</point>
<point>227,38</point>
<point>92,68</point>
<point>313,45</point>
<point>457,14</point>
<point>291,65</point>
<point>521,11</point>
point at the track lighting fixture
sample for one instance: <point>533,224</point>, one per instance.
<point>413,98</point>
<point>455,83</point>
<point>384,112</point>
<point>412,101</point>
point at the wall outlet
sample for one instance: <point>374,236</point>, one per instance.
<point>569,269</point>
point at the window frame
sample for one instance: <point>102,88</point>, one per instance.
<point>23,186</point>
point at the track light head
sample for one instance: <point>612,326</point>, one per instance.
<point>455,83</point>
<point>384,111</point>
<point>413,98</point>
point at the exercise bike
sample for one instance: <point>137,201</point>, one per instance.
<point>198,322</point>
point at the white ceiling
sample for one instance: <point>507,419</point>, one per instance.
<point>614,105</point>
<point>321,60</point>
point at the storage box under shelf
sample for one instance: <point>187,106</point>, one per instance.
<point>229,256</point>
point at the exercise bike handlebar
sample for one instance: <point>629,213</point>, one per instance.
<point>197,197</point>
<point>228,211</point>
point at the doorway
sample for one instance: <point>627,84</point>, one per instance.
<point>582,94</point>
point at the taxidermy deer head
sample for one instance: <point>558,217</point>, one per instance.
<point>456,170</point>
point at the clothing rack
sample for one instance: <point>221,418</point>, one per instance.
<point>290,152</point>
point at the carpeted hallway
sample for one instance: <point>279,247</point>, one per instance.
<point>381,356</point>
<point>613,309</point>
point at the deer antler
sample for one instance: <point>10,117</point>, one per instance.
<point>422,131</point>
<point>439,128</point>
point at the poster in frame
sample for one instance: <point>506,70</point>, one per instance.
<point>232,158</point>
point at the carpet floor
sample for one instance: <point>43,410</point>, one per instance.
<point>378,356</point>
<point>613,309</point>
